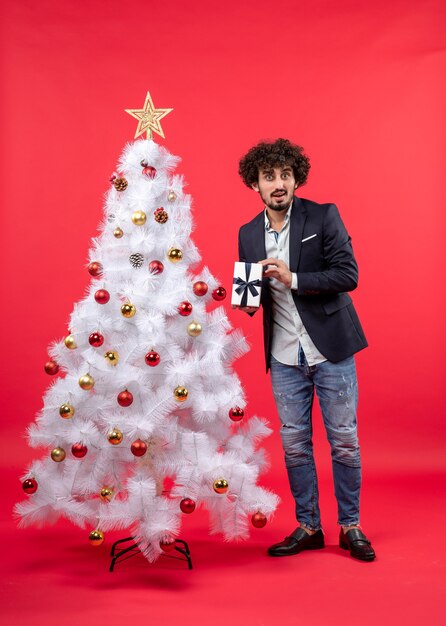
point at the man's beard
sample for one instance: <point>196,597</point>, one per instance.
<point>270,202</point>
<point>278,207</point>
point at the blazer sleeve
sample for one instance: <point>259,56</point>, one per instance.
<point>340,270</point>
<point>241,252</point>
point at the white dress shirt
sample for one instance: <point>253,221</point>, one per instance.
<point>289,333</point>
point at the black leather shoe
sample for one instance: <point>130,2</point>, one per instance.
<point>358,544</point>
<point>299,540</point>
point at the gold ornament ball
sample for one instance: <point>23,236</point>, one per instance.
<point>66,410</point>
<point>70,343</point>
<point>112,357</point>
<point>58,454</point>
<point>180,394</point>
<point>139,218</point>
<point>172,196</point>
<point>106,494</point>
<point>86,382</point>
<point>175,255</point>
<point>118,233</point>
<point>96,537</point>
<point>221,485</point>
<point>194,329</point>
<point>115,436</point>
<point>128,310</point>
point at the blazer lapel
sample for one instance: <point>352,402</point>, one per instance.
<point>297,222</point>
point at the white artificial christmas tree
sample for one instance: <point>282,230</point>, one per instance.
<point>148,392</point>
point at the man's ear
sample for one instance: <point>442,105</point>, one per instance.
<point>255,186</point>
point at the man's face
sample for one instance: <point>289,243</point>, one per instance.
<point>276,187</point>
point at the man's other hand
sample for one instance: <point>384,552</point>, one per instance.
<point>279,270</point>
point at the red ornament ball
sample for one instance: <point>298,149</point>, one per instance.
<point>258,520</point>
<point>95,269</point>
<point>138,447</point>
<point>102,296</point>
<point>219,294</point>
<point>152,358</point>
<point>112,178</point>
<point>156,267</point>
<point>78,450</point>
<point>149,171</point>
<point>51,368</point>
<point>187,505</point>
<point>96,340</point>
<point>167,544</point>
<point>185,308</point>
<point>200,288</point>
<point>29,485</point>
<point>125,398</point>
<point>236,413</point>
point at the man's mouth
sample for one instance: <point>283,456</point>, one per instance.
<point>278,194</point>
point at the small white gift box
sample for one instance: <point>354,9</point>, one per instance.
<point>247,284</point>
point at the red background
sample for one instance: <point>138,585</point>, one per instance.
<point>361,86</point>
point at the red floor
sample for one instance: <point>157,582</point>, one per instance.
<point>53,575</point>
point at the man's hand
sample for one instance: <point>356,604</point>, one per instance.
<point>279,270</point>
<point>246,309</point>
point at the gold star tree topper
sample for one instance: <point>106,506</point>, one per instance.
<point>148,118</point>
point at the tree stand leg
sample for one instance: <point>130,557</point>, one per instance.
<point>124,553</point>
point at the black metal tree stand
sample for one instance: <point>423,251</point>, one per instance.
<point>123,553</point>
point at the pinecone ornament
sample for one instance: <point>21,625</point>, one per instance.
<point>136,259</point>
<point>161,216</point>
<point>120,184</point>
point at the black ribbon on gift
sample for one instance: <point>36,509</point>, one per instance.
<point>246,286</point>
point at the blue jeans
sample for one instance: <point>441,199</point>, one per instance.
<point>337,390</point>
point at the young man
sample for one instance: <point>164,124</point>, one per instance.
<point>311,331</point>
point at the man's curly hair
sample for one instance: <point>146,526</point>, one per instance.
<point>274,154</point>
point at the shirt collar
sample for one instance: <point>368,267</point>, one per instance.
<point>287,217</point>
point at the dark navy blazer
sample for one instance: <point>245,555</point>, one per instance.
<point>326,269</point>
